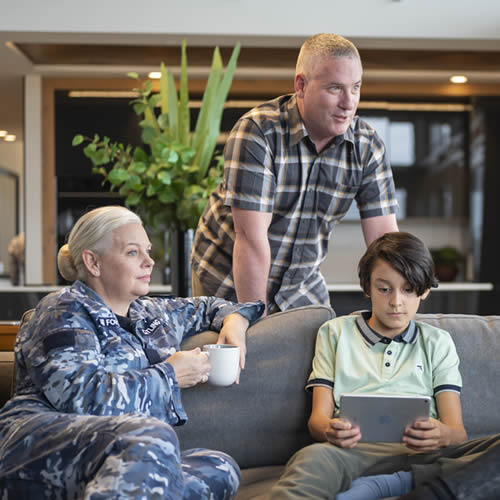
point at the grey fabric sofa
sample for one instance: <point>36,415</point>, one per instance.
<point>262,421</point>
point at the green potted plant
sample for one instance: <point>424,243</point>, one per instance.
<point>169,179</point>
<point>447,261</point>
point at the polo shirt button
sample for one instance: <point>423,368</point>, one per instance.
<point>389,352</point>
<point>388,364</point>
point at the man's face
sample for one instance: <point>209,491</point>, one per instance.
<point>328,99</point>
<point>394,304</point>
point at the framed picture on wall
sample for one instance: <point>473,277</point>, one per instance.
<point>9,204</point>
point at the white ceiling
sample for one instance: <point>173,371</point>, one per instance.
<point>403,24</point>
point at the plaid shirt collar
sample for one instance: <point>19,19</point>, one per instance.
<point>409,336</point>
<point>298,130</point>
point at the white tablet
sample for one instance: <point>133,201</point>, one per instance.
<point>383,417</point>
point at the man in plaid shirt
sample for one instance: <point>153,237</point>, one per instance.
<point>293,166</point>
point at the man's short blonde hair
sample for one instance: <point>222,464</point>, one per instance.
<point>323,44</point>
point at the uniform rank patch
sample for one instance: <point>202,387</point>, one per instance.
<point>152,355</point>
<point>64,338</point>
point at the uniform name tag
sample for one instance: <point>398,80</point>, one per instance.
<point>151,327</point>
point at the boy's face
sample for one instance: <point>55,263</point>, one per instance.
<point>394,304</point>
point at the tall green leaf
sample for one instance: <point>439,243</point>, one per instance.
<point>163,89</point>
<point>215,113</point>
<point>151,118</point>
<point>202,124</point>
<point>173,119</point>
<point>184,99</point>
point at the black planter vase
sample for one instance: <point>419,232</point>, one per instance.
<point>178,248</point>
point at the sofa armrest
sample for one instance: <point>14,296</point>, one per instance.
<point>263,420</point>
<point>6,376</point>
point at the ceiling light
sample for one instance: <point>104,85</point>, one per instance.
<point>9,138</point>
<point>103,93</point>
<point>459,79</point>
<point>154,75</point>
<point>3,133</point>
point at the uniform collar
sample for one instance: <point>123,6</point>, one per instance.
<point>371,337</point>
<point>84,289</point>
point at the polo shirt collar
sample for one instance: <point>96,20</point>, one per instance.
<point>298,130</point>
<point>371,337</point>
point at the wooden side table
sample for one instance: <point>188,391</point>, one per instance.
<point>8,332</point>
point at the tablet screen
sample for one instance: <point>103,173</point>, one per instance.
<point>383,417</point>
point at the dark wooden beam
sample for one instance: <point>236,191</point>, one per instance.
<point>268,57</point>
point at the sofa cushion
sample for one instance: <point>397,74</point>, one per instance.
<point>477,339</point>
<point>263,420</point>
<point>258,481</point>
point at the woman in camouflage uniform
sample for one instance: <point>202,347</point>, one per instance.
<point>99,378</point>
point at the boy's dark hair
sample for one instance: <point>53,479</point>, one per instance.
<point>406,254</point>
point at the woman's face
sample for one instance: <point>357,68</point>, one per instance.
<point>124,268</point>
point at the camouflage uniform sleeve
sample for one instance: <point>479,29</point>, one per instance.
<point>197,314</point>
<point>76,373</point>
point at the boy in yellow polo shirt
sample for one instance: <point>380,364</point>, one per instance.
<point>383,351</point>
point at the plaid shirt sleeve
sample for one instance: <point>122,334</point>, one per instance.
<point>248,171</point>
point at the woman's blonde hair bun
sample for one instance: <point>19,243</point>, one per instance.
<point>65,264</point>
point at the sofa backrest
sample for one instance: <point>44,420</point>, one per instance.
<point>263,420</point>
<point>477,339</point>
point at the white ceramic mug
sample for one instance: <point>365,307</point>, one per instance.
<point>224,363</point>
